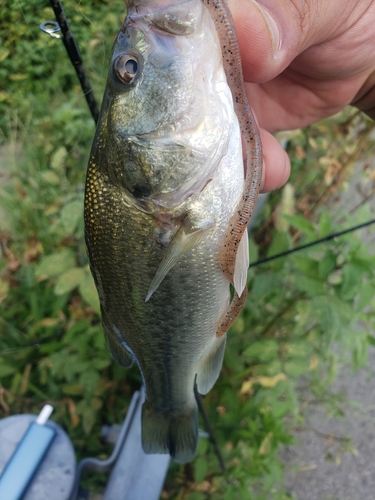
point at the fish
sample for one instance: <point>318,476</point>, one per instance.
<point>167,201</point>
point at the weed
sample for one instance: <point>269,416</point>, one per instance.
<point>52,346</point>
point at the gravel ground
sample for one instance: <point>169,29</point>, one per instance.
<point>350,475</point>
<point>346,476</point>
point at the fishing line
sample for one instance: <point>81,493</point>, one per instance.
<point>313,243</point>
<point>209,429</point>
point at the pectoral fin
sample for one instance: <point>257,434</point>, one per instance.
<point>187,237</point>
<point>242,264</point>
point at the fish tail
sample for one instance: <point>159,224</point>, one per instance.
<point>176,434</point>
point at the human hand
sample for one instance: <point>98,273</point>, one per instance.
<point>304,60</point>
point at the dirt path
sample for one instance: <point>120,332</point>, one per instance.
<point>317,468</point>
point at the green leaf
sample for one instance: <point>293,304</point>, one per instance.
<point>71,215</point>
<point>75,330</point>
<point>50,178</point>
<point>232,358</point>
<point>200,469</point>
<point>270,368</point>
<point>363,263</point>
<point>366,294</point>
<point>88,291</point>
<point>262,286</point>
<point>280,243</point>
<point>196,495</point>
<point>6,370</point>
<point>281,408</point>
<point>100,364</point>
<point>55,264</point>
<point>90,379</point>
<point>88,420</point>
<point>298,348</point>
<point>327,314</point>
<point>96,403</point>
<point>202,446</point>
<point>72,389</point>
<point>4,289</point>
<point>58,158</point>
<point>286,207</point>
<point>351,281</point>
<point>265,446</point>
<point>324,224</point>
<point>296,367</point>
<point>264,350</point>
<point>231,493</point>
<point>305,265</point>
<point>311,286</point>
<point>299,222</point>
<point>4,53</point>
<point>66,282</point>
<point>49,347</point>
<point>326,265</point>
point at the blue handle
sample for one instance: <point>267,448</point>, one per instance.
<point>24,462</point>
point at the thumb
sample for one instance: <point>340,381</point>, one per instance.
<point>271,34</point>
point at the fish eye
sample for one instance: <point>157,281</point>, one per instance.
<point>126,68</point>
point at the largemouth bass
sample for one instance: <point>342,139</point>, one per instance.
<point>166,207</point>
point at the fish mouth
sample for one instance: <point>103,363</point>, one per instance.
<point>173,19</point>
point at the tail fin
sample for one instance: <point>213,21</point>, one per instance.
<point>175,434</point>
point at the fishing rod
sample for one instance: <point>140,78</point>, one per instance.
<point>52,28</point>
<point>312,243</point>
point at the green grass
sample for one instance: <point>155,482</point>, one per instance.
<point>51,342</point>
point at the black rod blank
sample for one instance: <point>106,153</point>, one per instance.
<point>313,243</point>
<point>75,57</point>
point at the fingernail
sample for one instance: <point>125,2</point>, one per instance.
<point>272,26</point>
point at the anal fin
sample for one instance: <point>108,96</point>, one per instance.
<point>210,367</point>
<point>241,265</point>
<point>187,237</point>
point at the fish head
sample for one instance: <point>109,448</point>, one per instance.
<point>163,123</point>
<point>151,79</point>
